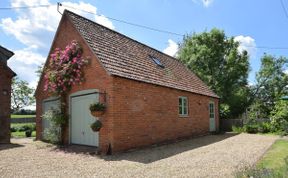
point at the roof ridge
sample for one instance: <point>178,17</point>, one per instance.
<point>114,31</point>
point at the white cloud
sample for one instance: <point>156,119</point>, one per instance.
<point>172,48</point>
<point>206,3</point>
<point>246,43</point>
<point>28,57</point>
<point>35,28</point>
<point>104,21</point>
<point>24,63</point>
<point>31,25</point>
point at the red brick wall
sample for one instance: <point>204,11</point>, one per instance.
<point>5,102</point>
<point>145,114</point>
<point>138,114</point>
<point>95,75</point>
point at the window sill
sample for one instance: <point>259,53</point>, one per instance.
<point>183,116</point>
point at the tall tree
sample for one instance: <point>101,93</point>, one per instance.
<point>272,83</point>
<point>22,94</point>
<point>214,57</point>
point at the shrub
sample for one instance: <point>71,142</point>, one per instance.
<point>22,127</point>
<point>279,117</point>
<point>264,127</point>
<point>251,128</point>
<point>97,107</point>
<point>28,133</point>
<point>13,129</point>
<point>238,129</point>
<point>53,132</point>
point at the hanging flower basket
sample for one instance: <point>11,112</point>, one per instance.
<point>97,113</point>
<point>97,109</point>
<point>96,126</point>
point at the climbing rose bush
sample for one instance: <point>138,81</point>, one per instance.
<point>65,68</point>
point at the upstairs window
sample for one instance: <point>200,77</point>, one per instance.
<point>183,106</point>
<point>156,61</point>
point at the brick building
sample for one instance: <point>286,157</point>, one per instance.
<point>6,75</point>
<point>151,97</point>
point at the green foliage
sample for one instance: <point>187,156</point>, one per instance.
<point>96,126</point>
<point>22,127</point>
<point>97,107</point>
<point>279,117</point>
<point>271,84</point>
<point>264,127</point>
<point>276,157</point>
<point>251,128</point>
<point>13,116</point>
<point>238,129</point>
<point>225,111</point>
<point>258,173</point>
<point>28,133</point>
<point>21,134</point>
<point>214,57</point>
<point>273,164</point>
<point>21,94</point>
<point>53,132</point>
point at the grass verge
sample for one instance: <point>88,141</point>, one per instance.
<point>21,134</point>
<point>274,163</point>
<point>21,116</point>
<point>275,157</point>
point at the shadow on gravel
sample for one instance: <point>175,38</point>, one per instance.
<point>156,153</point>
<point>77,149</point>
<point>9,146</point>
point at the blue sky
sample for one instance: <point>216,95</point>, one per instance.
<point>255,24</point>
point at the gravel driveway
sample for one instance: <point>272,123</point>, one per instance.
<point>208,156</point>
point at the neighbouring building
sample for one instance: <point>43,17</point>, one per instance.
<point>6,75</point>
<point>151,97</point>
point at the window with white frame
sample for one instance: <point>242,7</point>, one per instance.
<point>183,106</point>
<point>211,110</point>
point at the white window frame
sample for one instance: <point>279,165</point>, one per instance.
<point>182,114</point>
<point>212,102</point>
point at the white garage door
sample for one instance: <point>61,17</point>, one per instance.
<point>81,119</point>
<point>49,104</point>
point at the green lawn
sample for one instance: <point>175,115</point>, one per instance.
<point>275,157</point>
<point>21,134</point>
<point>21,116</point>
<point>271,165</point>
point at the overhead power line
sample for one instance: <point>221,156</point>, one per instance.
<point>126,22</point>
<point>139,25</point>
<point>24,7</point>
<point>266,47</point>
<point>284,8</point>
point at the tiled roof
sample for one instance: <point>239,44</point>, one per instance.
<point>128,58</point>
<point>5,54</point>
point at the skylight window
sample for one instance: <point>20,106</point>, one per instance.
<point>156,61</point>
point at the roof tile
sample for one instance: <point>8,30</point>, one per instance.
<point>128,58</point>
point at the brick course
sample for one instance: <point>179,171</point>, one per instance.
<point>6,76</point>
<point>138,113</point>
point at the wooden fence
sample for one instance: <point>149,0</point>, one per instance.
<point>23,120</point>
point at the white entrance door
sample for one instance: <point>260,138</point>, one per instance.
<point>212,116</point>
<point>50,104</point>
<point>81,119</point>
